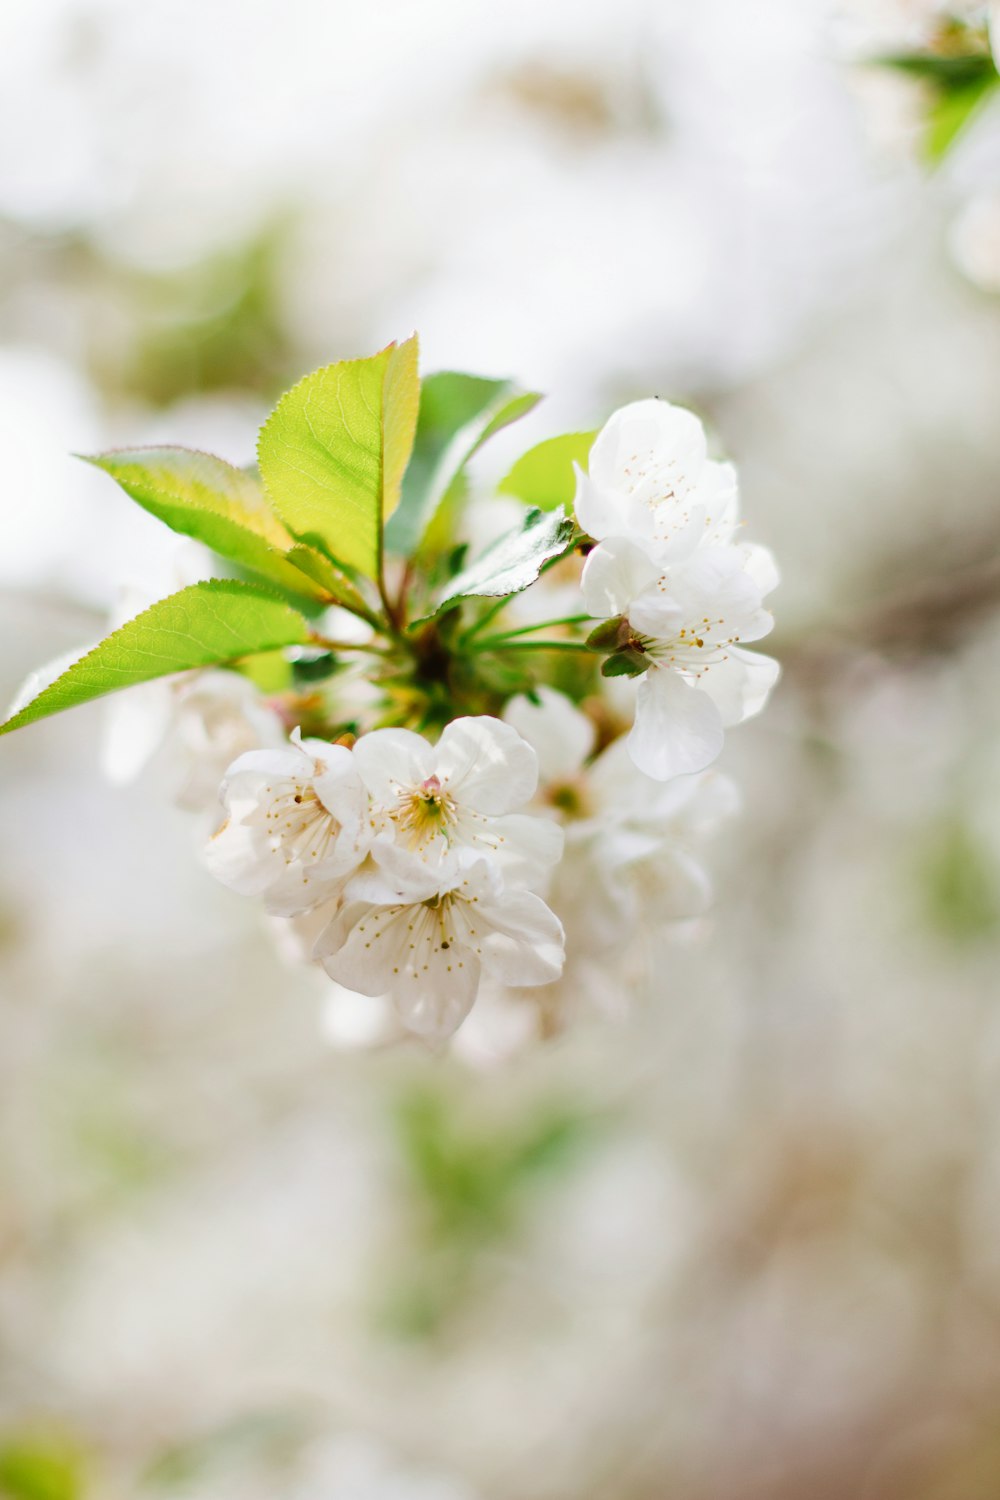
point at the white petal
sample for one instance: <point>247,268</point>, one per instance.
<point>486,765</point>
<point>615,573</point>
<point>341,791</point>
<point>739,686</point>
<point>719,497</point>
<point>389,759</point>
<point>675,885</point>
<point>364,944</point>
<point>656,614</point>
<point>561,736</point>
<point>759,562</point>
<point>412,953</point>
<point>520,941</point>
<point>714,582</point>
<point>677,729</point>
<point>286,762</point>
<point>704,516</point>
<point>435,1000</point>
<point>233,855</point>
<point>644,437</point>
<point>598,511</point>
<point>136,724</point>
<point>530,845</point>
<point>404,875</point>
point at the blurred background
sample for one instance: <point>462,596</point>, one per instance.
<point>747,1243</point>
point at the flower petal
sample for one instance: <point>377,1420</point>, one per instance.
<point>391,759</point>
<point>561,736</point>
<point>233,856</point>
<point>413,953</point>
<point>598,512</point>
<point>529,845</point>
<point>677,728</point>
<point>520,941</point>
<point>740,684</point>
<point>486,765</point>
<point>642,440</point>
<point>759,562</point>
<point>615,573</point>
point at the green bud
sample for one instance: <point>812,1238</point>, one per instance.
<point>608,635</point>
<point>626,663</point>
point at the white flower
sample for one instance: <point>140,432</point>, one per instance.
<point>650,480</point>
<point>461,793</point>
<point>424,936</point>
<point>298,825</point>
<point>631,862</point>
<point>686,622</point>
<point>193,726</point>
<point>636,836</point>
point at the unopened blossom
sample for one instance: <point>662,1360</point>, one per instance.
<point>462,793</point>
<point>687,624</point>
<point>424,936</point>
<point>650,480</point>
<point>297,825</point>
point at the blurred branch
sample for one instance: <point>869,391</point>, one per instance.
<point>929,614</point>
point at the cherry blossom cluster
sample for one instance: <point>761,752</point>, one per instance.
<point>413,861</point>
<point>679,591</point>
<point>467,751</point>
<point>533,855</point>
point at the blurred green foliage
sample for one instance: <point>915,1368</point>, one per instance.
<point>40,1467</point>
<point>961,883</point>
<point>959,73</point>
<point>215,325</point>
<point>470,1184</point>
<point>256,1439</point>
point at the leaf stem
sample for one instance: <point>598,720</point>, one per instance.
<point>506,635</point>
<point>327,644</point>
<point>485,619</point>
<point>498,643</point>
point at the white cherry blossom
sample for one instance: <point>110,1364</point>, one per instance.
<point>425,936</point>
<point>688,622</point>
<point>461,793</point>
<point>632,859</point>
<point>192,726</point>
<point>298,825</point>
<point>651,481</point>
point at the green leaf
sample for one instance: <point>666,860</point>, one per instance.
<point>334,450</point>
<point>463,413</point>
<point>513,561</point>
<point>450,402</point>
<point>205,625</point>
<point>224,508</point>
<point>330,580</point>
<point>943,70</point>
<point>953,111</point>
<point>544,475</point>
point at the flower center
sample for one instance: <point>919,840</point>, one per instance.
<point>694,648</point>
<point>299,825</point>
<point>570,797</point>
<point>425,811</point>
